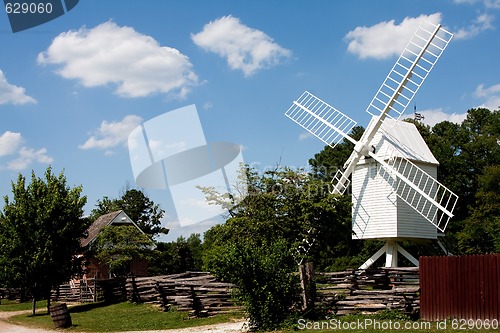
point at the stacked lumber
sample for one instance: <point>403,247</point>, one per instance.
<point>65,293</point>
<point>11,293</point>
<point>197,292</point>
<point>91,290</point>
<point>109,290</point>
<point>370,291</point>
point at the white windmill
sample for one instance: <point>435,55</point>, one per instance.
<point>394,191</point>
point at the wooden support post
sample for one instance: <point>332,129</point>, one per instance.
<point>391,254</point>
<point>308,287</point>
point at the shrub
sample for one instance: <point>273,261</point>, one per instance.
<point>263,273</point>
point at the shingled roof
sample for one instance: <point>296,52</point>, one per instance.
<point>118,218</point>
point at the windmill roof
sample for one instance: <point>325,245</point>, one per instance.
<point>404,138</point>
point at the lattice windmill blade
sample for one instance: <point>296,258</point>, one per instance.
<point>320,119</point>
<point>431,199</point>
<point>398,89</point>
<point>326,123</point>
<point>410,71</point>
<point>340,182</point>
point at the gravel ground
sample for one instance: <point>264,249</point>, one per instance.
<point>11,328</point>
<point>234,327</point>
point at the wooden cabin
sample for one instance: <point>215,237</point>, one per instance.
<point>95,269</point>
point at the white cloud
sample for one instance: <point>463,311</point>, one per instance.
<point>494,4</point>
<point>491,95</point>
<point>244,48</point>
<point>112,134</point>
<point>11,94</point>
<point>110,54</point>
<point>434,116</point>
<point>481,23</point>
<point>304,136</point>
<point>385,39</point>
<point>9,143</point>
<point>28,156</point>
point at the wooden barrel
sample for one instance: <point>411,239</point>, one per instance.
<point>60,316</point>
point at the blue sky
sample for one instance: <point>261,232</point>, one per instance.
<point>72,90</point>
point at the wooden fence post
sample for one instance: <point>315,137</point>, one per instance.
<point>308,287</point>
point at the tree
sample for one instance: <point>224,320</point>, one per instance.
<point>326,163</point>
<point>481,230</point>
<point>118,246</point>
<point>467,153</point>
<point>264,276</point>
<point>40,231</point>
<point>144,212</point>
<point>291,205</point>
<point>178,256</point>
<point>258,248</point>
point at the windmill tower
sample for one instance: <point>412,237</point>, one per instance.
<point>394,189</point>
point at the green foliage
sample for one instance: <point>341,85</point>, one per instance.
<point>326,163</point>
<point>388,314</point>
<point>481,230</point>
<point>176,257</point>
<point>263,274</point>
<point>291,205</point>
<point>343,263</point>
<point>40,231</point>
<point>118,246</point>
<point>144,212</point>
<point>257,246</point>
<point>469,156</point>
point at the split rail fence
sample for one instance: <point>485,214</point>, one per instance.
<point>353,291</point>
<point>464,287</point>
<point>370,291</point>
<point>197,292</point>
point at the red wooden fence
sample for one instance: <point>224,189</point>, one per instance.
<point>464,287</point>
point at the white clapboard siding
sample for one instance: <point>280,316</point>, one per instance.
<point>378,213</point>
<point>374,204</point>
<point>412,224</point>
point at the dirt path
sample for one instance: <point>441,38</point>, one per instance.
<point>235,327</point>
<point>6,327</point>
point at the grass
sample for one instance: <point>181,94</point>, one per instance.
<point>11,305</point>
<point>98,317</point>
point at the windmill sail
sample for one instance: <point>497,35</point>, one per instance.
<point>320,119</point>
<point>341,182</point>
<point>399,87</point>
<point>410,71</point>
<point>431,199</point>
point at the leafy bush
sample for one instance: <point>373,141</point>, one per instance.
<point>388,314</point>
<point>264,276</point>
